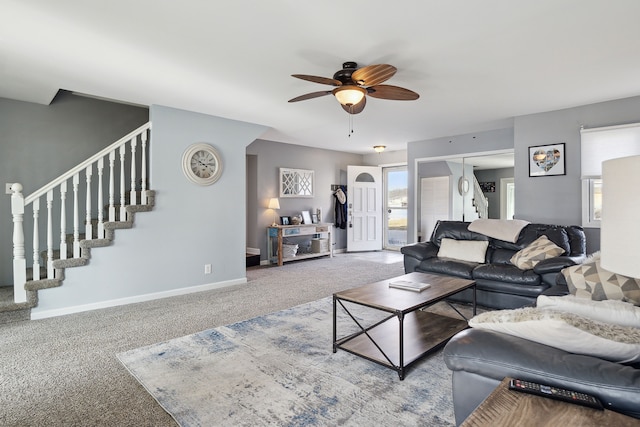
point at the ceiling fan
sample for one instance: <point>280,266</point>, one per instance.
<point>353,83</point>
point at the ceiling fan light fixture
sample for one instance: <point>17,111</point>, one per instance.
<point>379,148</point>
<point>349,94</point>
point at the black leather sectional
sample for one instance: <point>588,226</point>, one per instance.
<point>499,283</point>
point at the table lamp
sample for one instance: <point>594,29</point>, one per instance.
<point>274,204</point>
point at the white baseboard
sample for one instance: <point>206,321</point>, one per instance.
<point>253,251</point>
<point>134,299</point>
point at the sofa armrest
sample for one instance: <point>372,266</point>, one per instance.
<point>420,251</point>
<point>494,355</point>
<point>555,265</point>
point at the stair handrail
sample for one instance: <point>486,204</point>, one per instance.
<point>71,172</point>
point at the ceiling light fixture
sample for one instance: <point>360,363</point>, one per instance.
<point>349,94</point>
<point>379,148</point>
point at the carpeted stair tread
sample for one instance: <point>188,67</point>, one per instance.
<point>36,285</point>
<point>70,262</point>
<point>95,243</point>
<point>117,225</point>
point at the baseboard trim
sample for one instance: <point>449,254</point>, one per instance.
<point>135,299</point>
<point>253,251</point>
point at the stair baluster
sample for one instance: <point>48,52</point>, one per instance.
<point>50,229</point>
<point>143,171</point>
<point>100,201</point>
<point>36,240</point>
<point>133,200</point>
<point>63,227</point>
<point>123,211</point>
<point>76,217</point>
<point>112,207</point>
<point>88,227</point>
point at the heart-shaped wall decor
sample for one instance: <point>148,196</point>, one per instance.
<point>545,160</point>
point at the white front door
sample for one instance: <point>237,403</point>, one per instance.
<point>364,208</point>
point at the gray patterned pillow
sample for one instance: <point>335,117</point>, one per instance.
<point>590,280</point>
<point>540,249</point>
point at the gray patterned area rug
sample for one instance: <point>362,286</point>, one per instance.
<point>279,369</point>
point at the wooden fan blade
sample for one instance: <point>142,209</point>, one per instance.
<point>355,109</point>
<point>317,79</point>
<point>310,96</point>
<point>392,92</point>
<point>372,75</point>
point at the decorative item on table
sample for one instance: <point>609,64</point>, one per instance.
<point>285,220</point>
<point>314,218</point>
<point>319,245</point>
<point>306,217</point>
<point>296,220</point>
<point>547,160</point>
<point>409,285</point>
<point>274,204</point>
<point>289,251</point>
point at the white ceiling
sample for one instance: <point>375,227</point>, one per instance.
<point>475,63</point>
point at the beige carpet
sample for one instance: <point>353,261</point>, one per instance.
<point>63,371</point>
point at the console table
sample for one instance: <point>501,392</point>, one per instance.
<point>277,233</point>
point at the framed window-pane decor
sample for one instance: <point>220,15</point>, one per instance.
<point>296,182</point>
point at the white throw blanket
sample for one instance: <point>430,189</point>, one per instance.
<point>501,229</point>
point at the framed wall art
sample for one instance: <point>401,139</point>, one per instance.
<point>296,182</point>
<point>547,160</point>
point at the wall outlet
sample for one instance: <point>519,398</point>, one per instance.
<point>7,188</point>
<point>207,269</point>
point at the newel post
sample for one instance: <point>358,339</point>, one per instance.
<point>19,260</point>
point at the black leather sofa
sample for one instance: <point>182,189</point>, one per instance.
<point>499,283</point>
<point>481,359</point>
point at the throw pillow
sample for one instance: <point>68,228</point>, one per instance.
<point>538,250</point>
<point>566,331</point>
<point>608,311</point>
<point>590,280</point>
<point>463,250</point>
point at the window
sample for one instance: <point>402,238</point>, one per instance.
<point>598,145</point>
<point>592,202</point>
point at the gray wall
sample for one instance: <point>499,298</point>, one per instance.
<point>494,175</point>
<point>40,142</point>
<point>190,226</point>
<point>551,199</point>
<point>557,199</point>
<point>330,167</point>
<point>494,140</point>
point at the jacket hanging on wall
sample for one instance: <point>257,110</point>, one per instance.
<point>340,207</point>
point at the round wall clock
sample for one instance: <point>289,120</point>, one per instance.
<point>201,164</point>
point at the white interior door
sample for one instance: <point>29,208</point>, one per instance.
<point>364,208</point>
<point>435,200</point>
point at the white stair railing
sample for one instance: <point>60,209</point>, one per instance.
<point>93,187</point>
<point>480,201</point>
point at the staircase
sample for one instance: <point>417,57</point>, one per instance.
<point>480,201</point>
<point>122,163</point>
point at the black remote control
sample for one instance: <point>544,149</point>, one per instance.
<point>556,393</point>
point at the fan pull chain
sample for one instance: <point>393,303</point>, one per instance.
<point>350,121</point>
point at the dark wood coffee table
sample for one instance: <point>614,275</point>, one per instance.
<point>504,407</point>
<point>399,343</point>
